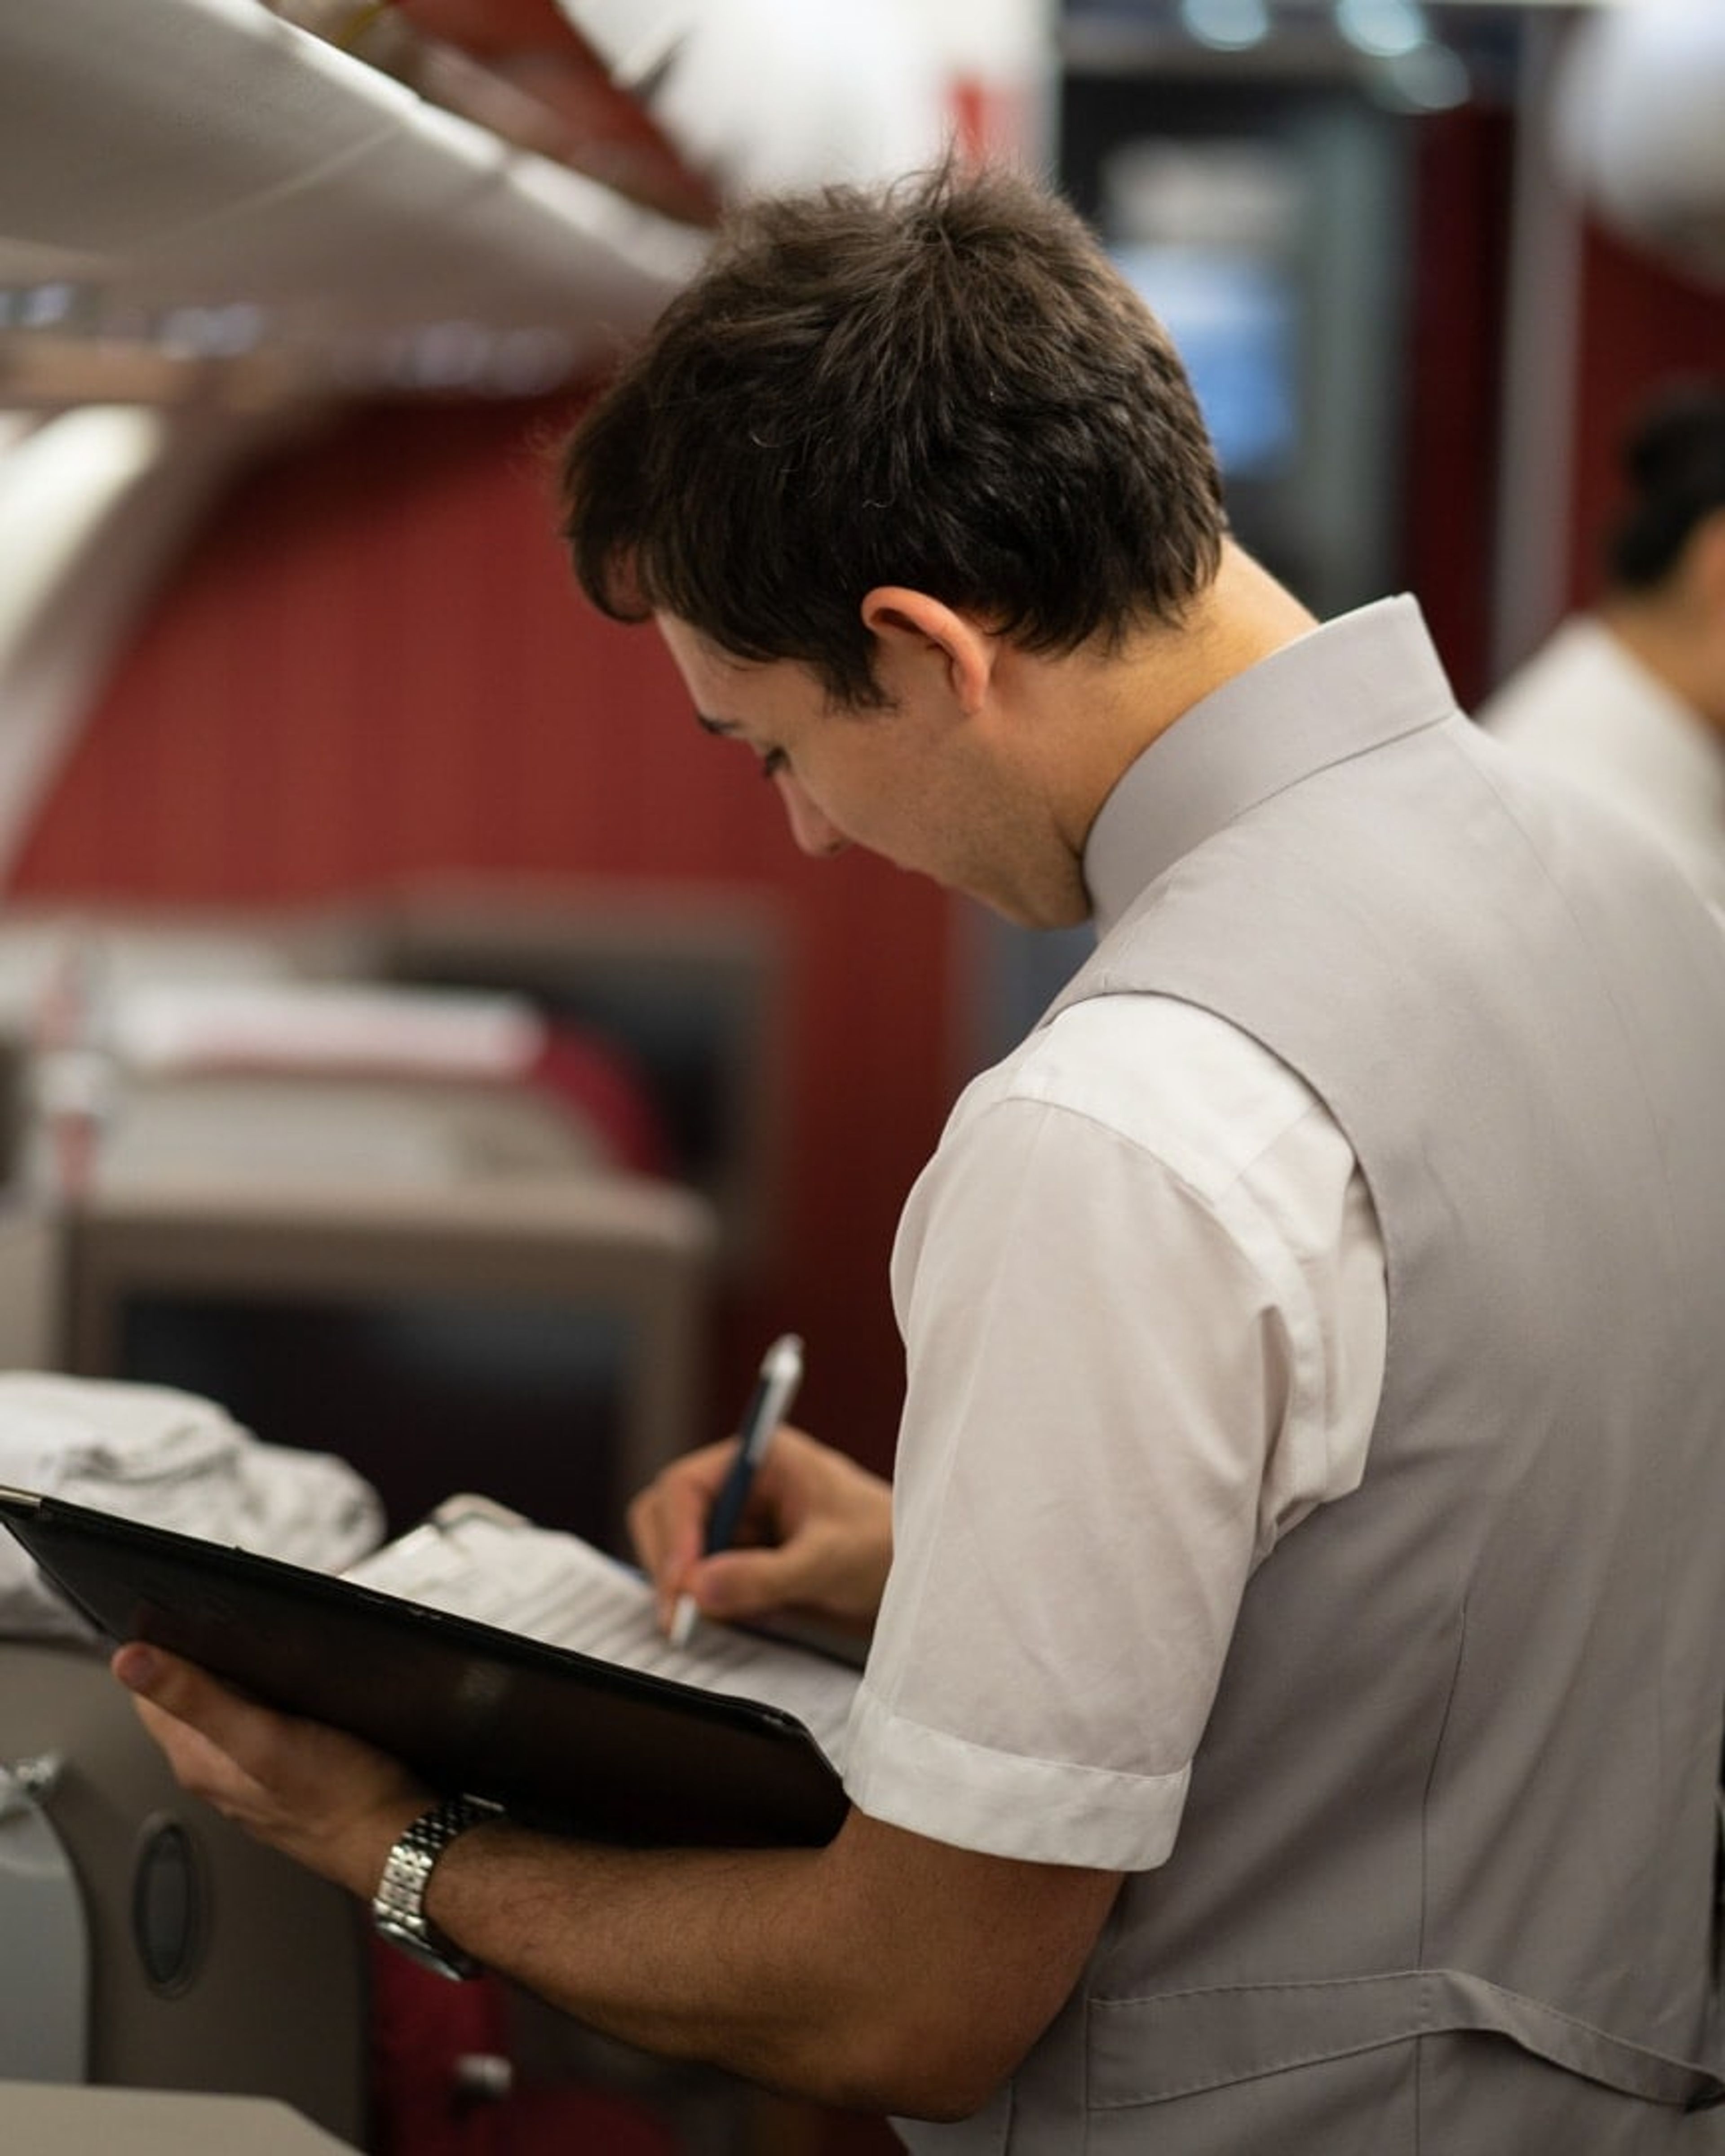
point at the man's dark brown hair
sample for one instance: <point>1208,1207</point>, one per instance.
<point>943,384</point>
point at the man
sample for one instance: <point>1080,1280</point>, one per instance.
<point>1294,1704</point>
<point>1628,698</point>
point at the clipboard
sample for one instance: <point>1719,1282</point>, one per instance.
<point>562,1740</point>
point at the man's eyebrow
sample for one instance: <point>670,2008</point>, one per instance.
<point>712,725</point>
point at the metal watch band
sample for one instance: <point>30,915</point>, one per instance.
<point>398,1905</point>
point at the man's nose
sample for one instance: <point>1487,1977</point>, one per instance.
<point>815,832</point>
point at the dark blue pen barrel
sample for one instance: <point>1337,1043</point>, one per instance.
<point>726,1514</point>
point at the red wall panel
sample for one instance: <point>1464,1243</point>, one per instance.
<point>1457,264</point>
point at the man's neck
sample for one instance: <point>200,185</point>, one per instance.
<point>1124,702</point>
<point>1244,615</point>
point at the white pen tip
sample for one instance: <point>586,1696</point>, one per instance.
<point>682,1623</point>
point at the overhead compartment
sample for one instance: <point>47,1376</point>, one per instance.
<point>204,178</point>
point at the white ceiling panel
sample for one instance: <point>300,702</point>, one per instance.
<point>161,156</point>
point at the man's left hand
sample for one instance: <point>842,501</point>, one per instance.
<point>324,1799</point>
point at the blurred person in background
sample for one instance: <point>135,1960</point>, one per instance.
<point>1629,700</point>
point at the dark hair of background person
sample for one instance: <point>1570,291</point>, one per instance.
<point>943,384</point>
<point>1673,457</point>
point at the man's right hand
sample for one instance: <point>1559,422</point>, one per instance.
<point>816,1537</point>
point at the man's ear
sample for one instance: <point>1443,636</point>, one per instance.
<point>913,628</point>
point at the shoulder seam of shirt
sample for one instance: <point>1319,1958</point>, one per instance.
<point>1013,1095</point>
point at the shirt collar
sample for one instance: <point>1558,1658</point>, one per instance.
<point>1362,679</point>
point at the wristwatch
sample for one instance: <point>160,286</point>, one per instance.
<point>398,1905</point>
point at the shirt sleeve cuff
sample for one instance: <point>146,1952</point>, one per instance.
<point>1040,1811</point>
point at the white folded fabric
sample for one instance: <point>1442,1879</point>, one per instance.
<point>153,1453</point>
<point>315,1026</point>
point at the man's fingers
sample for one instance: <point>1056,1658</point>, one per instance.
<point>169,1679</point>
<point>323,1797</point>
<point>180,1689</point>
<point>205,1729</point>
<point>667,1521</point>
<point>176,1687</point>
<point>750,1583</point>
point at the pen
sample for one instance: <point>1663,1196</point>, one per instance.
<point>775,1388</point>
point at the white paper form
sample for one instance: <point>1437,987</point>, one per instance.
<point>475,1558</point>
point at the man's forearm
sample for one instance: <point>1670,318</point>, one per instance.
<point>886,1973</point>
<point>725,1956</point>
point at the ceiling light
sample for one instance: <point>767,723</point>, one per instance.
<point>1387,29</point>
<point>1227,26</point>
<point>1431,78</point>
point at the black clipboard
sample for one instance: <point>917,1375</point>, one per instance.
<point>562,1741</point>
